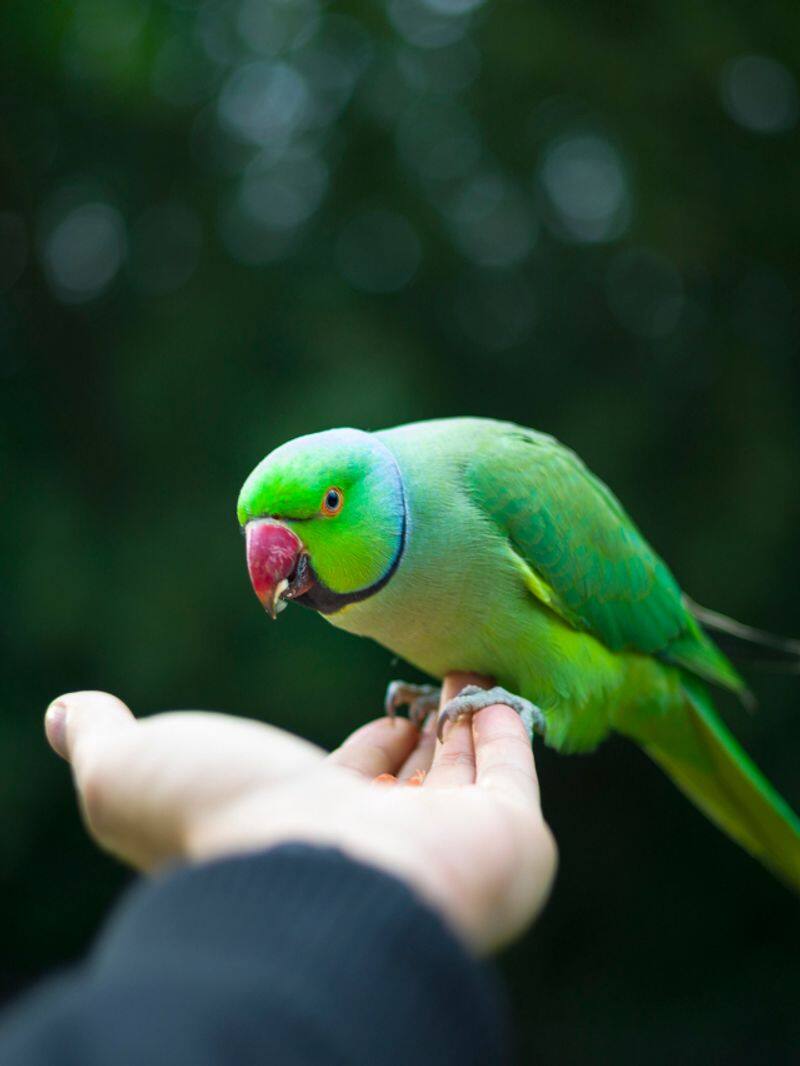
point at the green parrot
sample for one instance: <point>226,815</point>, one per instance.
<point>475,545</point>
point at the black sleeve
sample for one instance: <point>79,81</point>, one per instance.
<point>294,955</point>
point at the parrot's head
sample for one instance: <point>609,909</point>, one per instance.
<point>324,518</point>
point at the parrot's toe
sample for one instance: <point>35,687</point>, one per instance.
<point>420,700</point>
<point>471,699</point>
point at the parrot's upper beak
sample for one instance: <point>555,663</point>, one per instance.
<point>274,558</point>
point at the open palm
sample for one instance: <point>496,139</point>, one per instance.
<point>460,821</point>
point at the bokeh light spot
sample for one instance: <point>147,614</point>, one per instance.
<point>84,251</point>
<point>264,102</point>
<point>332,63</point>
<point>492,221</point>
<point>417,23</point>
<point>452,7</point>
<point>760,94</point>
<point>586,186</point>
<point>287,194</point>
<point>270,27</point>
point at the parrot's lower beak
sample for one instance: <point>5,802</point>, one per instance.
<point>274,558</point>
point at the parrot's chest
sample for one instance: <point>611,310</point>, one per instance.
<point>442,610</point>
<point>421,636</point>
<point>427,638</point>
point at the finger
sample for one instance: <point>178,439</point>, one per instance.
<point>79,720</point>
<point>454,759</point>
<point>96,733</point>
<point>380,747</point>
<point>503,754</point>
<point>421,757</point>
<point>453,763</point>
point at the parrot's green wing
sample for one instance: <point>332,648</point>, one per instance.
<point>582,556</point>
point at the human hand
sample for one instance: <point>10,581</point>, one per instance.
<point>193,786</point>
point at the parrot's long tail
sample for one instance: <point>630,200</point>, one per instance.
<point>746,644</point>
<point>708,765</point>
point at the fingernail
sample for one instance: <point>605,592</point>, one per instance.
<point>55,727</point>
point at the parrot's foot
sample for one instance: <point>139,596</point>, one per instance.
<point>472,699</point>
<point>420,700</point>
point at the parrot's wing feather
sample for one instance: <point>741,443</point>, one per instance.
<point>584,557</point>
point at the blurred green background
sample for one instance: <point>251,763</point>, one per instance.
<point>223,224</point>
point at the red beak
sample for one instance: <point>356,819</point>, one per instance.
<point>272,554</point>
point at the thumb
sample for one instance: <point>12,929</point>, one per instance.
<point>80,720</point>
<point>92,731</point>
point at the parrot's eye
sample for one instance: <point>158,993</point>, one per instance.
<point>332,503</point>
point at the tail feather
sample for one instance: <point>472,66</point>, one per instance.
<point>746,644</point>
<point>708,765</point>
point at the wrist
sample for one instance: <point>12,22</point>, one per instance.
<point>260,824</point>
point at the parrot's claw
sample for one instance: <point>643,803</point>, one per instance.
<point>420,700</point>
<point>472,698</point>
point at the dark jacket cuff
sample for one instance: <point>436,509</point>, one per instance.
<point>347,955</point>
